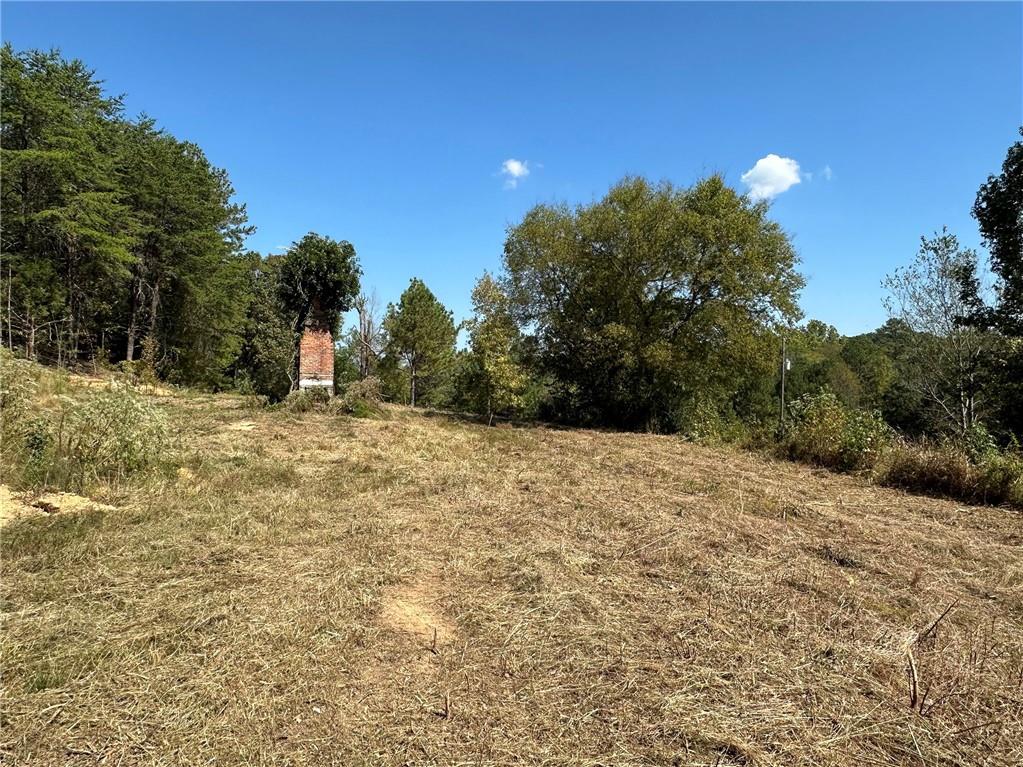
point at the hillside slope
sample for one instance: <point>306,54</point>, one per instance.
<point>320,590</point>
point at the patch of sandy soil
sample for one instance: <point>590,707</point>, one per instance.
<point>13,506</point>
<point>241,426</point>
<point>412,609</point>
<point>52,503</point>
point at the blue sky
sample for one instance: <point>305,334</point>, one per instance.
<point>389,125</point>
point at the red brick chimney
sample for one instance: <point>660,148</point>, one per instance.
<point>316,353</point>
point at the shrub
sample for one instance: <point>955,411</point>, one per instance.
<point>706,424</point>
<point>827,433</point>
<point>108,436</point>
<point>361,399</point>
<point>18,385</point>
<point>304,400</point>
<point>298,402</point>
<point>71,442</point>
<point>947,470</point>
<point>369,389</point>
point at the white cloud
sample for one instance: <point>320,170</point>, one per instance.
<point>826,173</point>
<point>771,176</point>
<point>514,171</point>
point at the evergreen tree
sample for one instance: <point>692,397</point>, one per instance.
<point>67,236</point>
<point>420,341</point>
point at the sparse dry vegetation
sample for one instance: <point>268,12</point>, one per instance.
<point>310,588</point>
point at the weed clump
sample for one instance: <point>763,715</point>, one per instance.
<point>949,469</point>
<point>103,436</point>
<point>970,468</point>
<point>360,399</point>
<point>827,433</point>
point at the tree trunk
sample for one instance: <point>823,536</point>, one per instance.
<point>30,352</point>
<point>136,292</point>
<point>154,305</point>
<point>412,386</point>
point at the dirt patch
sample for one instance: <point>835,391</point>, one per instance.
<point>414,609</point>
<point>53,503</point>
<point>13,507</point>
<point>241,426</point>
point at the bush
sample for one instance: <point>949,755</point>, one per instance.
<point>947,470</point>
<point>109,436</point>
<point>71,442</point>
<point>706,424</point>
<point>304,400</point>
<point>18,385</point>
<point>827,433</point>
<point>361,399</point>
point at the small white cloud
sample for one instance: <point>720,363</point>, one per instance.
<point>281,247</point>
<point>826,173</point>
<point>771,176</point>
<point>514,171</point>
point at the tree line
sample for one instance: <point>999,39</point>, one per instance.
<point>658,307</point>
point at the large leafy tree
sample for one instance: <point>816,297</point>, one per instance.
<point>491,380</point>
<point>999,213</point>
<point>317,279</point>
<point>318,274</point>
<point>420,341</point>
<point>652,302</point>
<point>949,360</point>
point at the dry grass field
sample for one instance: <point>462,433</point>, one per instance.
<point>321,590</point>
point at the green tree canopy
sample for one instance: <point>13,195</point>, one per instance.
<point>319,272</point>
<point>67,235</point>
<point>653,300</point>
<point>491,380</point>
<point>999,212</point>
<point>420,339</point>
<point>948,359</point>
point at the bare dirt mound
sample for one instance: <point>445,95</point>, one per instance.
<point>241,426</point>
<point>14,506</point>
<point>413,609</point>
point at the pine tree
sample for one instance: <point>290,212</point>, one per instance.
<point>420,339</point>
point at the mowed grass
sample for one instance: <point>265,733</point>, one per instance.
<point>321,590</point>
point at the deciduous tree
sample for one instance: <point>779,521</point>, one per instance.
<point>652,301</point>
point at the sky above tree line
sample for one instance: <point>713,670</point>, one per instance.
<point>419,132</point>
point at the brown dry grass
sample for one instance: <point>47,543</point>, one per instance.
<point>320,590</point>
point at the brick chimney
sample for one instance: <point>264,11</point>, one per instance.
<point>316,353</point>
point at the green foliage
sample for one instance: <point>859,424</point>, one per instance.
<point>114,231</point>
<point>103,436</point>
<point>946,469</point>
<point>490,379</point>
<point>318,277</point>
<point>18,385</point>
<point>827,433</point>
<point>420,344</point>
<point>266,360</point>
<point>999,213</point>
<point>948,361</point>
<point>649,298</point>
<point>361,398</point>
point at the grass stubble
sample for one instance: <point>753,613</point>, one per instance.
<point>322,590</point>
